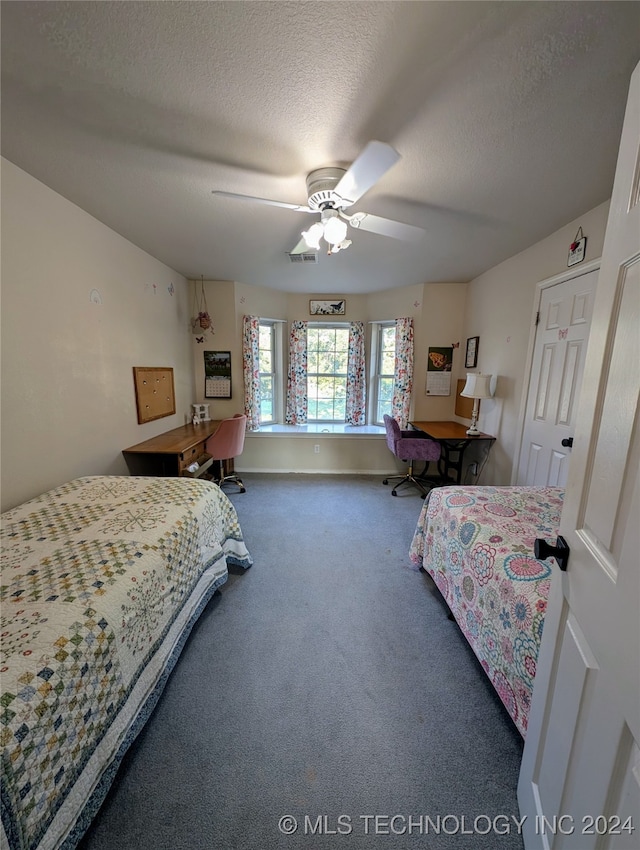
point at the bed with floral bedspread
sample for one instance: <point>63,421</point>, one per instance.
<point>477,545</point>
<point>102,580</point>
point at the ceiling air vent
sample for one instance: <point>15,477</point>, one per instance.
<point>310,257</point>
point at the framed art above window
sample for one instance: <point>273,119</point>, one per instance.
<point>327,308</point>
<point>471,357</point>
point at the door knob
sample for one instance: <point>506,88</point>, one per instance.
<point>543,550</point>
<point>567,442</point>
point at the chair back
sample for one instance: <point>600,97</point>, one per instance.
<point>228,440</point>
<point>393,432</point>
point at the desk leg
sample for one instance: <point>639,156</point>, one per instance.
<point>451,460</point>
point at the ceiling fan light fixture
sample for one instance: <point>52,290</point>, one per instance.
<point>335,229</point>
<point>313,235</point>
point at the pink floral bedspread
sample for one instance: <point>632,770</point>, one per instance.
<point>477,545</point>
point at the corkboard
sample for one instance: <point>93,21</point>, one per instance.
<point>155,394</point>
<point>464,406</point>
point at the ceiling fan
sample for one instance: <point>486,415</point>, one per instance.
<point>332,190</point>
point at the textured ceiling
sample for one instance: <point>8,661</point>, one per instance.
<point>507,117</point>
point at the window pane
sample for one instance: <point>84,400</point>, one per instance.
<point>385,367</point>
<point>266,367</point>
<point>385,398</point>
<point>312,361</point>
<point>265,360</point>
<point>327,359</point>
<point>389,338</point>
<point>385,389</point>
<point>264,336</point>
<point>387,362</point>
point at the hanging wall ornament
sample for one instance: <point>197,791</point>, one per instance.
<point>577,249</point>
<point>201,323</point>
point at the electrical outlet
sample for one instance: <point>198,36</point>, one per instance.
<point>316,448</point>
<point>473,468</point>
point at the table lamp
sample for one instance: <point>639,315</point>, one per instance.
<point>476,387</point>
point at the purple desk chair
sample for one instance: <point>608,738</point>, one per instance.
<point>409,446</point>
<point>225,444</point>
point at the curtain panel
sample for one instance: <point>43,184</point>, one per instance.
<point>356,401</point>
<point>251,370</point>
<point>297,400</point>
<point>403,372</point>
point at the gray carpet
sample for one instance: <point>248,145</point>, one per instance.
<point>325,684</point>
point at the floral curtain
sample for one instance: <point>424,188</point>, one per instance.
<point>403,372</point>
<point>356,376</point>
<point>297,401</point>
<point>251,370</point>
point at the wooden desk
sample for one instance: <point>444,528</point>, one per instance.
<point>454,441</point>
<point>172,452</point>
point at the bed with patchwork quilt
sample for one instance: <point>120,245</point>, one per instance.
<point>477,545</point>
<point>102,581</point>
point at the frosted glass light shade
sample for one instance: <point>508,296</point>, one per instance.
<point>477,386</point>
<point>335,230</point>
<point>313,235</point>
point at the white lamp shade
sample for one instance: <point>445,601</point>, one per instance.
<point>477,386</point>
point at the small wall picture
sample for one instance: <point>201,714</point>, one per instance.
<point>327,308</point>
<point>217,374</point>
<point>471,357</point>
<point>576,251</point>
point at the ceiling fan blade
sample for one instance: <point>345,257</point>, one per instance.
<point>386,227</point>
<point>296,207</point>
<point>374,161</point>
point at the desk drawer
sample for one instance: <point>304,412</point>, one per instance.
<point>192,454</point>
<point>204,462</point>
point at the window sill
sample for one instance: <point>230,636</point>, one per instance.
<point>314,429</point>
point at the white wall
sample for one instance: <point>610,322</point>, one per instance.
<point>500,309</point>
<point>68,400</point>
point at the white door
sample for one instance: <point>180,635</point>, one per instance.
<point>562,332</point>
<point>580,779</point>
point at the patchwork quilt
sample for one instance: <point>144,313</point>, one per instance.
<point>477,545</point>
<point>102,580</point>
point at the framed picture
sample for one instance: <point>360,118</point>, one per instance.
<point>327,308</point>
<point>471,357</point>
<point>155,395</point>
<point>217,374</point>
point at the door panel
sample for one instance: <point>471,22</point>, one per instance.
<point>556,377</point>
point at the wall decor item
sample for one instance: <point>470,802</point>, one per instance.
<point>201,321</point>
<point>155,394</point>
<point>439,364</point>
<point>217,374</point>
<point>577,249</point>
<point>471,356</point>
<point>327,308</point>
